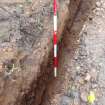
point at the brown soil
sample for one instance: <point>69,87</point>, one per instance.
<point>26,52</point>
<point>58,88</point>
<point>25,46</point>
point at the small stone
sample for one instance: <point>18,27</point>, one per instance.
<point>21,6</point>
<point>74,94</point>
<point>65,100</point>
<point>94,86</point>
<point>19,9</point>
<point>98,4</point>
<point>84,96</point>
<point>94,74</point>
<point>9,49</point>
<point>78,67</point>
<point>4,50</point>
<point>101,64</point>
<point>78,40</point>
<point>81,81</point>
<point>27,13</point>
<point>88,77</point>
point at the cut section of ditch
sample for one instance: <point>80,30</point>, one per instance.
<point>57,89</point>
<point>49,90</point>
<point>37,86</point>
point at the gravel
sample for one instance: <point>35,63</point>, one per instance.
<point>88,64</point>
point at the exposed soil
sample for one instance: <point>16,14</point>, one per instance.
<point>81,67</point>
<point>25,46</point>
<point>26,52</point>
<point>57,91</point>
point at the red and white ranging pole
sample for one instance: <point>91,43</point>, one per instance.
<point>55,39</point>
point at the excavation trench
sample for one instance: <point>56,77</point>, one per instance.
<point>38,89</point>
<point>36,84</point>
<point>49,90</point>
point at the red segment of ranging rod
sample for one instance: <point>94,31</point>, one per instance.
<point>55,39</point>
<point>55,7</point>
<point>55,61</point>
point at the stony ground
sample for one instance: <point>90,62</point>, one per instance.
<point>87,67</point>
<point>22,31</point>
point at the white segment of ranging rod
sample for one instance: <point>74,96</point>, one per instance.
<point>55,23</point>
<point>55,50</point>
<point>55,71</point>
